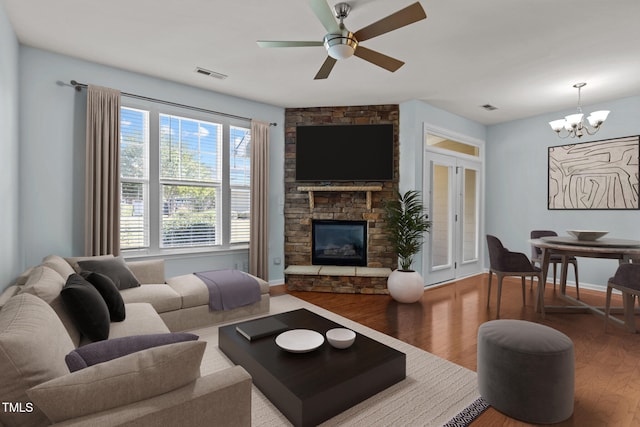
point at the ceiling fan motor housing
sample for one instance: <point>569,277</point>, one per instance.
<point>342,45</point>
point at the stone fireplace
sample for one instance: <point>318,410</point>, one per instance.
<point>310,203</point>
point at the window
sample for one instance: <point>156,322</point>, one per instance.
<point>190,181</point>
<point>194,169</point>
<point>240,179</point>
<point>134,178</point>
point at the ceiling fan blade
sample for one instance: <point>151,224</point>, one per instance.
<point>401,18</point>
<point>275,43</point>
<point>379,59</point>
<point>326,68</point>
<point>325,15</point>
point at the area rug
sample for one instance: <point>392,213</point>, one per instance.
<point>435,392</point>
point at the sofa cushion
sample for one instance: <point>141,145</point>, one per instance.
<point>119,382</point>
<point>141,319</point>
<point>43,282</point>
<point>115,268</point>
<point>46,283</point>
<point>110,294</point>
<point>161,297</point>
<point>148,271</point>
<point>33,344</point>
<point>86,307</point>
<point>7,294</point>
<point>59,264</point>
<point>104,351</point>
<point>193,290</point>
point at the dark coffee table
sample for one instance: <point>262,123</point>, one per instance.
<point>309,388</point>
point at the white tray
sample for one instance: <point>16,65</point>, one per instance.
<point>299,340</point>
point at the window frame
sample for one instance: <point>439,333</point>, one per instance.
<point>154,203</point>
<point>143,181</point>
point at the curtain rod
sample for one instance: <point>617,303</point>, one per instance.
<point>79,86</point>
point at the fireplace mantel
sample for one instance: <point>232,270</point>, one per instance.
<point>366,188</point>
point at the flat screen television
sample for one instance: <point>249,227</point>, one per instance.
<point>344,153</point>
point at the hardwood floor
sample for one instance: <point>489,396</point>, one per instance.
<point>446,320</point>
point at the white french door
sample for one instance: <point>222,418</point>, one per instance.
<point>452,187</point>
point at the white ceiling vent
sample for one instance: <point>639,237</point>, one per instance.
<point>210,73</point>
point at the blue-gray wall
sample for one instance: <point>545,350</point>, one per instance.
<point>10,252</point>
<point>52,122</point>
<point>414,115</point>
<point>516,184</point>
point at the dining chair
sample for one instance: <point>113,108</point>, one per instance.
<point>536,258</point>
<point>627,281</point>
<point>506,263</point>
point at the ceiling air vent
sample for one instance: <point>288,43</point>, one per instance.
<point>489,107</point>
<point>210,73</point>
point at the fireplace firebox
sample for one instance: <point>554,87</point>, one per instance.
<point>337,242</point>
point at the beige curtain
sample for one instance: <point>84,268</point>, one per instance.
<point>102,204</point>
<point>259,245</point>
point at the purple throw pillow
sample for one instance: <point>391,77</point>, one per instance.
<point>103,351</point>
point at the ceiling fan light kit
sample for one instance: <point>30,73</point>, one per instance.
<point>340,46</point>
<point>340,43</point>
<point>574,123</point>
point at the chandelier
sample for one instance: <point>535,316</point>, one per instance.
<point>574,124</point>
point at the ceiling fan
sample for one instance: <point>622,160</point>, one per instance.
<point>341,43</point>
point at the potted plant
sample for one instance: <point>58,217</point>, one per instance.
<point>406,221</point>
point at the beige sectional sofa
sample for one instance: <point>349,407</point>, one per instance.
<point>156,386</point>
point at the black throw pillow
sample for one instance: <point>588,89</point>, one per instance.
<point>114,268</point>
<point>110,294</point>
<point>86,307</point>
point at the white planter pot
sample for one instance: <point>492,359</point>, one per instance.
<point>405,286</point>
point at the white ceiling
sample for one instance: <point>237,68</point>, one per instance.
<point>522,56</point>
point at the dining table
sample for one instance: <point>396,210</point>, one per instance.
<point>624,250</point>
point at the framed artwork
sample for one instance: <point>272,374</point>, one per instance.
<point>595,175</point>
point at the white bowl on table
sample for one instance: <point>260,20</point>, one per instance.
<point>341,337</point>
<point>589,235</point>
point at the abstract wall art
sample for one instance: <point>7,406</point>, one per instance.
<point>595,175</point>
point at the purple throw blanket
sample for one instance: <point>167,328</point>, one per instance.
<point>229,289</point>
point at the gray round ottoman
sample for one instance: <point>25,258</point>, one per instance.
<point>526,370</point>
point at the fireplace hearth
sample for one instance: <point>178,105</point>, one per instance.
<point>337,242</point>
